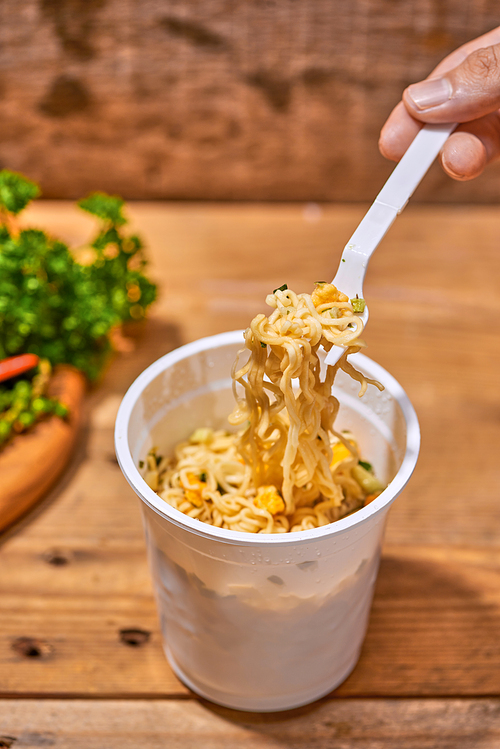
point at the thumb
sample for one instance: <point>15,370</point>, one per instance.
<point>467,92</point>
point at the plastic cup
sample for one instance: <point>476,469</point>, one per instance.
<point>255,621</point>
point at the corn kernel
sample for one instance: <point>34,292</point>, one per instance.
<point>194,497</point>
<point>194,490</point>
<point>194,481</point>
<point>340,452</point>
<point>327,292</point>
<point>268,498</point>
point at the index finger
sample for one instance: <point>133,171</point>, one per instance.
<point>400,128</point>
<point>458,55</point>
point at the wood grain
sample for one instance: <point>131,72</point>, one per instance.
<point>433,629</point>
<point>33,461</point>
<point>435,324</point>
<point>219,100</point>
<point>343,724</point>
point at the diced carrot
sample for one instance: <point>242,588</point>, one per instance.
<point>17,365</point>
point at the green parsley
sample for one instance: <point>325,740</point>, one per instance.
<point>59,308</point>
<point>281,288</point>
<point>56,307</point>
<point>264,345</point>
<point>16,192</point>
<point>106,207</point>
<point>23,402</point>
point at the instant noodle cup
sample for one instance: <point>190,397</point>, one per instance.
<point>260,621</point>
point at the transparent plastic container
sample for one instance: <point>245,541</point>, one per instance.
<point>255,621</point>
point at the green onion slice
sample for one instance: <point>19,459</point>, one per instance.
<point>358,304</point>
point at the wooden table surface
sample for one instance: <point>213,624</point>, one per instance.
<point>73,574</point>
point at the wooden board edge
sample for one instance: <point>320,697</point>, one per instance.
<point>33,461</point>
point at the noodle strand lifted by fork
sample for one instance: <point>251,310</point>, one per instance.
<point>282,471</point>
<point>287,440</point>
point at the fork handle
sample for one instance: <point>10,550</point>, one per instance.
<point>390,201</point>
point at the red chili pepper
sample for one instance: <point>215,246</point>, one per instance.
<point>16,365</point>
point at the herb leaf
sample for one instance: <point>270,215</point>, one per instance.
<point>281,288</point>
<point>107,207</point>
<point>16,191</point>
<point>53,306</point>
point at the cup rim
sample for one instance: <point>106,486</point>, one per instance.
<point>243,538</point>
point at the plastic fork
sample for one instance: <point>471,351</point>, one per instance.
<point>390,201</point>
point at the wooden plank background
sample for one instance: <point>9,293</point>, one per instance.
<point>434,324</point>
<point>73,574</point>
<point>220,99</point>
<point>158,724</point>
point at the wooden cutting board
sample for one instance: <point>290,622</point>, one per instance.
<point>31,463</point>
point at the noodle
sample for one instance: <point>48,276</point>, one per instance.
<point>287,469</point>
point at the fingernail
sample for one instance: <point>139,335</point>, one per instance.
<point>431,93</point>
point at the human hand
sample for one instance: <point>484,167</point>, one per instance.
<point>464,88</point>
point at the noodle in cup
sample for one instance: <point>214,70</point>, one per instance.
<point>260,621</point>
